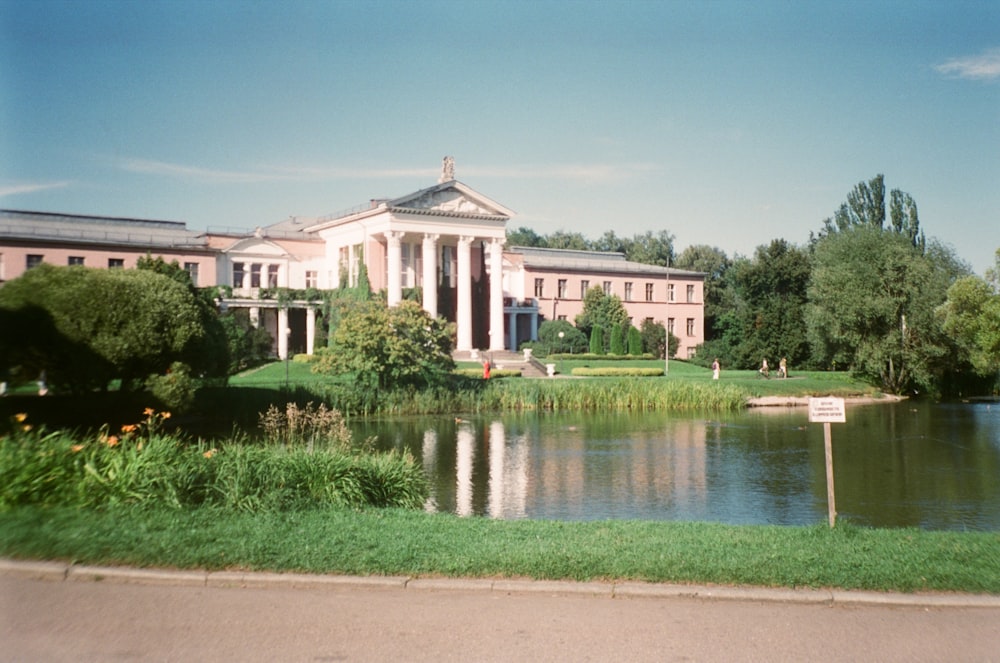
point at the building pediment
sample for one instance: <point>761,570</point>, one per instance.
<point>256,246</point>
<point>450,198</point>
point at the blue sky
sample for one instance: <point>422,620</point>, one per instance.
<point>724,123</point>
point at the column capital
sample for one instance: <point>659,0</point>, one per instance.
<point>394,236</point>
<point>431,237</point>
<point>466,239</point>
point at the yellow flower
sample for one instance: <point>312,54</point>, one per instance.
<point>128,428</point>
<point>149,412</point>
<point>76,447</point>
<point>26,427</point>
<point>209,453</point>
<point>20,417</point>
<point>165,415</point>
<point>112,440</point>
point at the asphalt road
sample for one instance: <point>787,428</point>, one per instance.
<point>164,618</point>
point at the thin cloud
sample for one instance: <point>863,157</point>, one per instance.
<point>30,187</point>
<point>151,167</point>
<point>985,66</point>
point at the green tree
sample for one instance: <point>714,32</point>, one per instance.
<point>617,340</point>
<point>597,340</point>
<point>971,316</point>
<point>85,327</point>
<point>525,237</point>
<point>601,309</point>
<point>571,341</point>
<point>714,263</point>
<point>634,341</point>
<point>387,348</point>
<point>865,206</point>
<point>652,249</point>
<point>872,302</point>
<point>654,339</point>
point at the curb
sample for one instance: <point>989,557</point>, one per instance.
<point>62,572</point>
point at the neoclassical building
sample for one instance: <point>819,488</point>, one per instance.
<point>443,244</point>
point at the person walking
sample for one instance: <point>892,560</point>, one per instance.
<point>764,371</point>
<point>783,368</point>
<point>715,369</point>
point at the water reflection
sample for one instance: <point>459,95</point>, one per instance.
<point>932,466</point>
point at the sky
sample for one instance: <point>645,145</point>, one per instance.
<point>724,123</point>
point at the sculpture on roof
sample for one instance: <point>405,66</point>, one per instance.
<point>447,170</point>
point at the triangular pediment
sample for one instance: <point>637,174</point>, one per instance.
<point>256,246</point>
<point>451,198</point>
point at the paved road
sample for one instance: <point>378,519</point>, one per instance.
<point>97,616</point>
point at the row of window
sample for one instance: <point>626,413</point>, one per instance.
<point>36,259</point>
<point>562,289</point>
<point>689,328</point>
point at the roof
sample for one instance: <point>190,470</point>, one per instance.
<point>56,227</point>
<point>590,261</point>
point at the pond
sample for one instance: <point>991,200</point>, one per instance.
<point>933,466</point>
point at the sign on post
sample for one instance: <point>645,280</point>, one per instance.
<point>826,411</point>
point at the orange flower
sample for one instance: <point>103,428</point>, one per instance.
<point>165,415</point>
<point>209,453</point>
<point>26,427</point>
<point>128,428</point>
<point>149,412</point>
<point>76,447</point>
<point>112,440</point>
<point>20,417</point>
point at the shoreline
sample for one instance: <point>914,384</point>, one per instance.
<point>803,401</point>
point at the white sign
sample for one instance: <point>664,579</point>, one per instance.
<point>827,410</point>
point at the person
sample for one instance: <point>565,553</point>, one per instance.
<point>783,368</point>
<point>486,369</point>
<point>715,369</point>
<point>763,369</point>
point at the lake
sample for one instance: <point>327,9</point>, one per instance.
<point>910,464</point>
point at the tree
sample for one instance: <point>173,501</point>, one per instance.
<point>971,316</point>
<point>865,206</point>
<point>872,301</point>
<point>85,327</point>
<point>617,343</point>
<point>571,341</point>
<point>387,348</point>
<point>654,337</point>
<point>597,340</point>
<point>634,341</point>
<point>525,237</point>
<point>600,309</point>
<point>651,249</point>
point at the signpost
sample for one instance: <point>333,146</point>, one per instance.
<point>826,411</point>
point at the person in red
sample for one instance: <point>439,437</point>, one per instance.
<point>486,369</point>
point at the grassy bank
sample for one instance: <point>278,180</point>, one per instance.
<point>406,542</point>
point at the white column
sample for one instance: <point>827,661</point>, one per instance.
<point>282,333</point>
<point>430,274</point>
<point>246,276</point>
<point>394,257</point>
<point>512,324</point>
<point>464,313</point>
<point>310,330</point>
<point>534,325</point>
<point>496,295</point>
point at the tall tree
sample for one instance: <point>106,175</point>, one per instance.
<point>714,263</point>
<point>971,316</point>
<point>865,206</point>
<point>872,301</point>
<point>601,310</point>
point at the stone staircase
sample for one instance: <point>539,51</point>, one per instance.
<point>505,359</point>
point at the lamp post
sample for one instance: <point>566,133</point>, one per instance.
<point>666,325</point>
<point>288,334</point>
<point>561,351</point>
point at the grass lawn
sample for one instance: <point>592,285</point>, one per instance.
<point>414,543</point>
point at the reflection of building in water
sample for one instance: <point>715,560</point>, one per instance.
<point>606,475</point>
<point>508,474</point>
<point>465,456</point>
<point>429,454</point>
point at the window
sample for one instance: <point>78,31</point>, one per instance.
<point>539,288</point>
<point>272,276</point>
<point>690,326</point>
<point>607,287</point>
<point>649,292</point>
<point>670,292</point>
<point>116,263</point>
<point>192,269</point>
<point>647,321</point>
<point>74,260</point>
<point>560,317</point>
<point>562,289</point>
<point>628,291</point>
<point>690,293</point>
<point>33,260</point>
<point>238,274</point>
<point>670,325</point>
<point>312,278</point>
<point>584,287</point>
<point>255,276</point>
<point>406,265</point>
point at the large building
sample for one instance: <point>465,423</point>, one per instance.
<point>445,242</point>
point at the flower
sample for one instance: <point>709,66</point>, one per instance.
<point>76,448</point>
<point>128,428</point>
<point>112,440</point>
<point>209,453</point>
<point>26,427</point>
<point>165,415</point>
<point>20,417</point>
<point>149,412</point>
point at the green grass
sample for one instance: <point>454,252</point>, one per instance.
<point>414,543</point>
